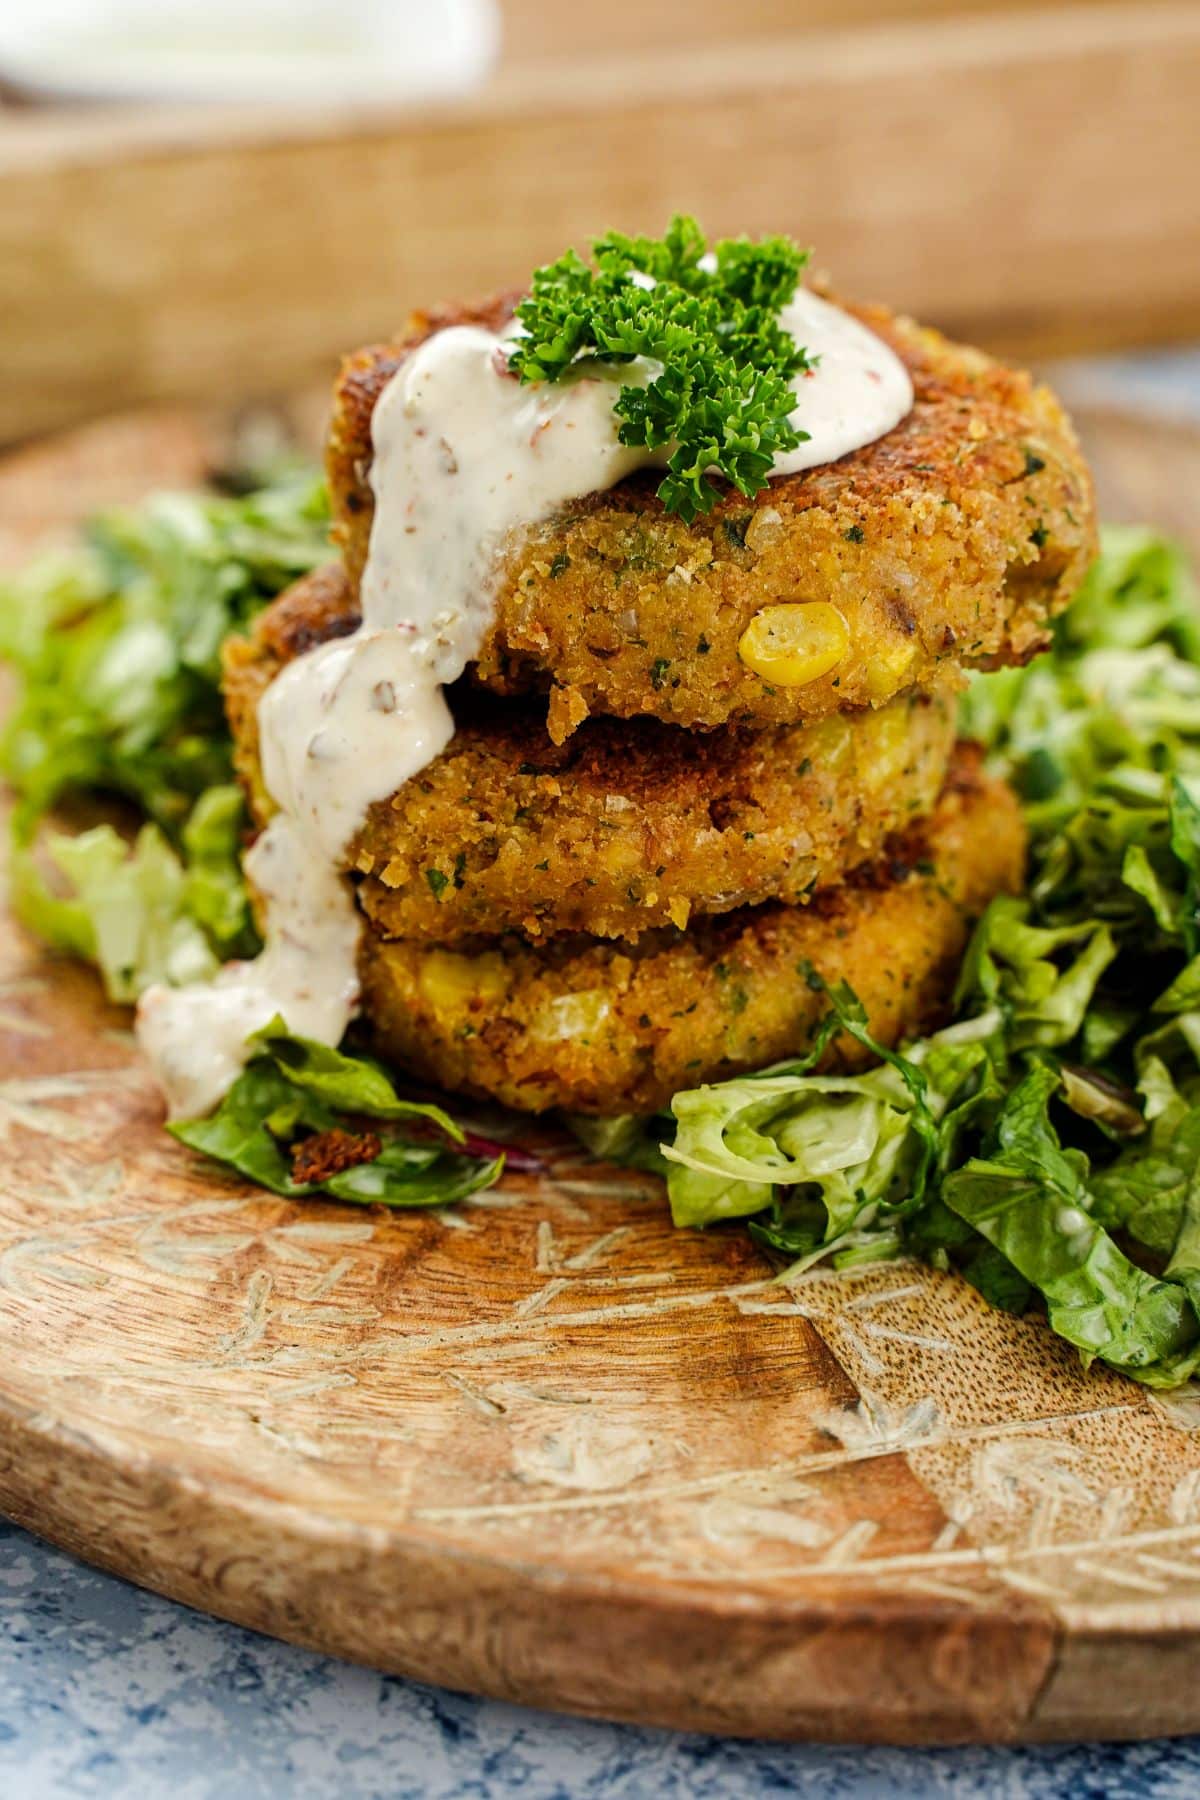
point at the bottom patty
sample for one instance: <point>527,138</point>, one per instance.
<point>607,1028</point>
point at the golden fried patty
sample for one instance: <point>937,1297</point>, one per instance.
<point>947,543</point>
<point>627,826</point>
<point>608,1029</point>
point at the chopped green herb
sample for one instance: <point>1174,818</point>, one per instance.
<point>724,397</point>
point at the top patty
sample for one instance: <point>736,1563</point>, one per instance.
<point>947,543</point>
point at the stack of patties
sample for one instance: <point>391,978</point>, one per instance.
<point>696,763</point>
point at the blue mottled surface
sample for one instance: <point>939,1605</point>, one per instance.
<point>105,1690</point>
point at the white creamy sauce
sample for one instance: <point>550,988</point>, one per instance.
<point>195,1037</point>
<point>858,391</point>
<point>463,455</point>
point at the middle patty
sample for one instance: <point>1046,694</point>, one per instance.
<point>627,826</point>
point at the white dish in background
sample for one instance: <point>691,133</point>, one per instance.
<point>368,51</point>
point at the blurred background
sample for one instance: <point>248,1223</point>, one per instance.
<point>206,201</point>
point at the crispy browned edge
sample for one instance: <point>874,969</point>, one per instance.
<point>949,541</point>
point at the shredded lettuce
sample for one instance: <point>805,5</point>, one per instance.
<point>116,648</point>
<point>125,909</point>
<point>1047,1143</point>
<point>294,1092</point>
<point>116,644</point>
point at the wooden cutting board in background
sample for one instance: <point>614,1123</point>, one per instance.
<point>1023,174</point>
<point>542,1446</point>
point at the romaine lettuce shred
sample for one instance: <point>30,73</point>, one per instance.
<point>116,649</point>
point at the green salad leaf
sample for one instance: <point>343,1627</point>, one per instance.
<point>125,908</point>
<point>116,644</point>
<point>631,1139</point>
<point>1030,1199</point>
<point>116,648</point>
<point>354,1084</point>
<point>141,912</point>
<point>297,1121</point>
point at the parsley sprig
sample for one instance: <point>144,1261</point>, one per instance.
<point>724,396</point>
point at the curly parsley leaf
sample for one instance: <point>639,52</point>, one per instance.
<point>699,332</point>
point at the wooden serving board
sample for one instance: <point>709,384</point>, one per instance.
<point>544,1447</point>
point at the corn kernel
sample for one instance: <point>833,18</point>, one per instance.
<point>891,668</point>
<point>570,1016</point>
<point>449,981</point>
<point>883,749</point>
<point>679,911</point>
<point>794,643</point>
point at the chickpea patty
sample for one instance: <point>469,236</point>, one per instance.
<point>608,1029</point>
<point>624,828</point>
<point>949,543</point>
